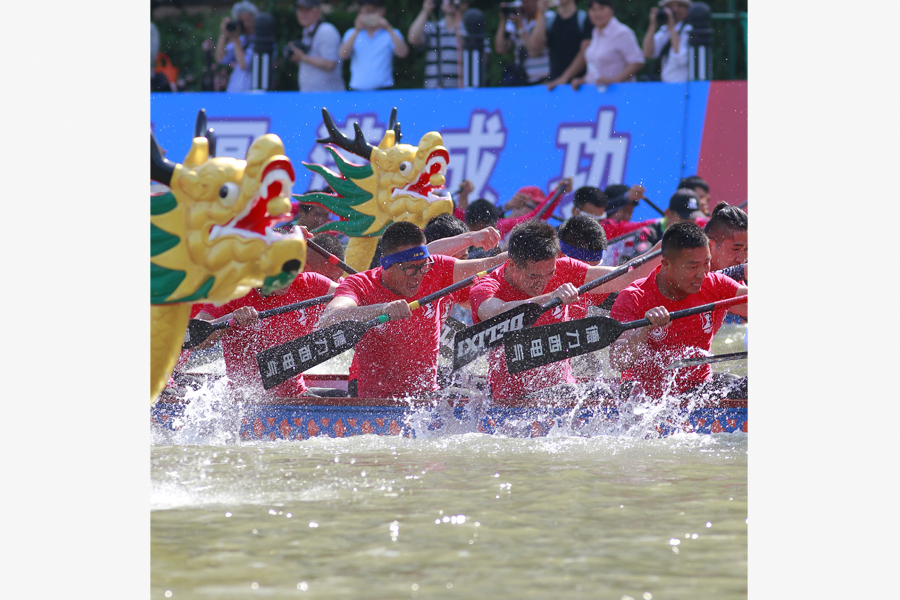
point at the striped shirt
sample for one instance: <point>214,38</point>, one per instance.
<point>536,67</point>
<point>445,72</point>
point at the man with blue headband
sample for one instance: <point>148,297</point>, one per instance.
<point>399,358</point>
<point>535,273</point>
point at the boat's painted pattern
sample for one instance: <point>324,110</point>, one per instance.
<point>302,418</point>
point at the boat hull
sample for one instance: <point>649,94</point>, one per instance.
<point>302,418</point>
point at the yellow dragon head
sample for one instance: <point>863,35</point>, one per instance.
<point>212,235</point>
<point>398,183</point>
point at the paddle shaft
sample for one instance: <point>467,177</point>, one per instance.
<point>661,212</point>
<point>279,363</point>
<point>331,257</point>
<point>556,194</point>
<point>199,330</point>
<point>705,360</point>
<point>633,264</point>
<point>687,312</point>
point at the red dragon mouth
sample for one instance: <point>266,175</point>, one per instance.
<point>255,221</point>
<point>421,187</point>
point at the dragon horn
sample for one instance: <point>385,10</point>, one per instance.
<point>200,126</point>
<point>161,169</point>
<point>359,146</point>
<point>393,124</point>
<point>211,137</point>
<point>201,130</point>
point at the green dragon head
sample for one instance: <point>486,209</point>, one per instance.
<point>398,183</point>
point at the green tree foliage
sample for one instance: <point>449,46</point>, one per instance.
<point>183,26</point>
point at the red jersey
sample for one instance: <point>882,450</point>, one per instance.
<point>240,345</point>
<point>613,228</point>
<point>399,358</point>
<point>495,285</point>
<point>683,338</point>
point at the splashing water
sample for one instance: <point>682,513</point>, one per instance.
<point>211,417</point>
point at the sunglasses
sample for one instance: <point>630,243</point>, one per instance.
<point>413,270</point>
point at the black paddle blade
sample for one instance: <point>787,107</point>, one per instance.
<point>474,341</point>
<point>539,346</point>
<point>450,329</point>
<point>197,332</point>
<point>280,363</point>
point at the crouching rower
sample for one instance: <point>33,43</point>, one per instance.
<point>243,341</point>
<point>399,358</point>
<point>682,280</point>
<point>536,273</point>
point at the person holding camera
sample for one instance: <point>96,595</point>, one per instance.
<point>443,42</point>
<point>516,33</point>
<point>371,45</point>
<point>613,56</point>
<point>668,37</point>
<point>317,52</point>
<point>234,46</point>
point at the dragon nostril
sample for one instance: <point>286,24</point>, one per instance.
<point>291,266</point>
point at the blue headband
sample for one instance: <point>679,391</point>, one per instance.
<point>417,253</point>
<point>579,253</point>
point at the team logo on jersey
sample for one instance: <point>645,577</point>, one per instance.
<point>428,310</point>
<point>707,321</point>
<point>559,312</point>
<point>659,333</point>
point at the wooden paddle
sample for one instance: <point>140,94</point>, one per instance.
<point>331,258</point>
<point>538,346</point>
<point>279,363</point>
<point>198,329</point>
<point>706,360</point>
<point>474,341</point>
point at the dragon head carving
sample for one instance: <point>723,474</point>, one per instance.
<point>212,236</point>
<point>399,183</point>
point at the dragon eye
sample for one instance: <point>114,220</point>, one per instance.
<point>405,167</point>
<point>229,193</point>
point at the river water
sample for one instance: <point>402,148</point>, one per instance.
<point>466,515</point>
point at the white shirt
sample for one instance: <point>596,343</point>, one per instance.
<point>674,66</point>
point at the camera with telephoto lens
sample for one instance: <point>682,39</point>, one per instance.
<point>233,26</point>
<point>661,18</point>
<point>287,51</point>
<point>511,8</point>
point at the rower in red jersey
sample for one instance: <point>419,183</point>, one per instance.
<point>683,280</point>
<point>251,335</point>
<point>399,358</point>
<point>535,273</point>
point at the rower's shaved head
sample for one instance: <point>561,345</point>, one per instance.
<point>682,236</point>
<point>532,241</point>
<point>401,235</point>
<point>583,232</point>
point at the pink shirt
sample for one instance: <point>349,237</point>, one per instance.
<point>611,48</point>
<point>495,285</point>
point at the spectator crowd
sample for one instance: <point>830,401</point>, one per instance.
<point>538,42</point>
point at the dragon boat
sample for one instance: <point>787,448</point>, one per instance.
<point>305,417</point>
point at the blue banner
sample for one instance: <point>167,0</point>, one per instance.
<point>499,138</point>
